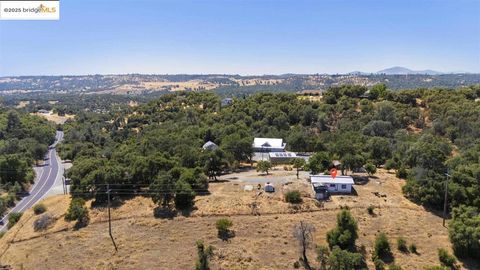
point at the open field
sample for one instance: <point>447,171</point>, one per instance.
<point>54,117</point>
<point>261,242</point>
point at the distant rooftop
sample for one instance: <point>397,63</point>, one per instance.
<point>210,146</point>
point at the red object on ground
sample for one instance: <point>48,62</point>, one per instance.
<point>333,172</point>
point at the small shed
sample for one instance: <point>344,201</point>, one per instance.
<point>339,184</point>
<point>211,146</point>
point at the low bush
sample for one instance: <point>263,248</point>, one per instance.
<point>413,248</point>
<point>446,258</point>
<point>402,244</point>
<point>13,218</point>
<point>79,212</point>
<point>394,267</point>
<point>379,264</point>
<point>402,173</point>
<point>382,247</point>
<point>204,254</point>
<point>39,208</point>
<point>370,210</point>
<point>370,168</point>
<point>43,222</point>
<point>293,196</point>
<point>223,226</point>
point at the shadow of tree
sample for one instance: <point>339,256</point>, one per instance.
<point>164,212</point>
<point>225,235</point>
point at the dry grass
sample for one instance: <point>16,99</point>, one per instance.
<point>261,242</point>
<point>54,117</point>
<point>22,104</point>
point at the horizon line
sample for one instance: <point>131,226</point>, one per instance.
<point>358,73</point>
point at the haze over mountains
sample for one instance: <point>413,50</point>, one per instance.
<point>403,71</point>
<point>397,70</point>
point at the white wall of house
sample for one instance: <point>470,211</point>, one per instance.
<point>339,188</point>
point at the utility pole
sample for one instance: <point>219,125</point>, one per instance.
<point>110,219</point>
<point>64,184</point>
<point>445,200</point>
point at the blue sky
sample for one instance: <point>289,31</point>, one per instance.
<point>244,37</point>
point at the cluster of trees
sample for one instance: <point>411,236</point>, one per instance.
<point>342,252</point>
<point>156,148</point>
<point>24,140</point>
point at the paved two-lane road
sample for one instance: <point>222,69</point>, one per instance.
<point>44,181</point>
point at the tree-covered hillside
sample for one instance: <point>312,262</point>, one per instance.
<point>24,139</point>
<point>156,148</point>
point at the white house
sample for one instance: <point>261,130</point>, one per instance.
<point>268,145</point>
<point>339,184</point>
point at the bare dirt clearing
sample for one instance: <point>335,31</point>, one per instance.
<point>54,117</point>
<point>261,242</point>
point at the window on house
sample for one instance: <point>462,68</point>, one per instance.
<point>344,186</point>
<point>332,185</point>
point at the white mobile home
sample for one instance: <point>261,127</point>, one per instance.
<point>339,184</point>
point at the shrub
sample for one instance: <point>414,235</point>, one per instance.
<point>3,206</point>
<point>382,247</point>
<point>413,248</point>
<point>437,267</point>
<point>10,199</point>
<point>322,256</point>
<point>346,232</point>
<point>343,259</point>
<point>370,210</point>
<point>293,196</point>
<point>379,264</point>
<point>43,222</point>
<point>2,234</point>
<point>390,164</point>
<point>39,208</point>
<point>370,168</point>
<point>394,267</point>
<point>446,259</point>
<point>204,254</point>
<point>402,173</point>
<point>223,226</point>
<point>402,244</point>
<point>79,212</point>
<point>13,218</point>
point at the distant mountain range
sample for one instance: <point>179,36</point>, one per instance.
<point>404,71</point>
<point>400,71</point>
